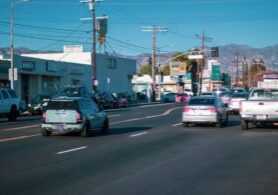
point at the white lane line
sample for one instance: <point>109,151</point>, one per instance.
<point>138,134</point>
<point>18,128</point>
<point>155,105</point>
<point>115,115</point>
<point>72,150</point>
<point>18,138</point>
<point>147,117</point>
<point>178,124</point>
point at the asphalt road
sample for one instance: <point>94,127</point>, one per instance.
<point>147,151</point>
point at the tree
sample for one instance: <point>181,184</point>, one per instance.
<point>256,69</point>
<point>166,70</point>
<point>145,69</point>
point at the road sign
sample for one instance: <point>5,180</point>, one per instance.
<point>195,57</point>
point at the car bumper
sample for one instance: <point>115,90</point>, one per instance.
<point>199,119</point>
<point>62,128</point>
<point>259,118</point>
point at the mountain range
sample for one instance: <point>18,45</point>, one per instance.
<point>227,56</point>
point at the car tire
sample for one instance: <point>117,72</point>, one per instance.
<point>244,125</point>
<point>185,124</point>
<point>86,130</point>
<point>105,127</point>
<point>45,132</point>
<point>13,114</point>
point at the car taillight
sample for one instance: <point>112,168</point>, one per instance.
<point>43,117</point>
<point>78,117</point>
<point>186,109</point>
<point>212,109</point>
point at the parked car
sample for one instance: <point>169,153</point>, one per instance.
<point>73,114</point>
<point>38,104</point>
<point>168,97</point>
<point>73,91</point>
<point>9,103</point>
<point>181,97</point>
<point>205,109</point>
<point>235,100</point>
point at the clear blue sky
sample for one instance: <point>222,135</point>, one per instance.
<point>46,24</point>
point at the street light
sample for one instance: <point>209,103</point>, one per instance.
<point>12,38</point>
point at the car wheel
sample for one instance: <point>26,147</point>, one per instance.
<point>105,126</point>
<point>243,124</point>
<point>13,114</point>
<point>86,130</point>
<point>45,132</point>
<point>185,124</point>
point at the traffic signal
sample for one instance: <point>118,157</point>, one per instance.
<point>215,52</point>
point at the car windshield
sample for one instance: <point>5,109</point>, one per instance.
<point>264,94</point>
<point>62,105</point>
<point>202,102</point>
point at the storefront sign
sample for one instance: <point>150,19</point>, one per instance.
<point>28,65</point>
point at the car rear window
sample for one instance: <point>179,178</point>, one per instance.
<point>59,105</point>
<point>239,95</point>
<point>202,102</point>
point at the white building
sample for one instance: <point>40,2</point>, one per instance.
<point>48,73</point>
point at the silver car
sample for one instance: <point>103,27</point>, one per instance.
<point>205,109</point>
<point>235,100</point>
<point>73,114</point>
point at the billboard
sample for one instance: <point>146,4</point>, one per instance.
<point>178,68</point>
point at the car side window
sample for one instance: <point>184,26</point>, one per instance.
<point>5,94</point>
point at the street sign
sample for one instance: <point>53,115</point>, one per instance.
<point>15,74</point>
<point>195,57</point>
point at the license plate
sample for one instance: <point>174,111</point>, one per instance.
<point>261,117</point>
<point>59,127</point>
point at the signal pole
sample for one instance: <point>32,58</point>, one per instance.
<point>154,29</point>
<point>203,39</point>
<point>237,68</point>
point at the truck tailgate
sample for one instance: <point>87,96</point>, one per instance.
<point>257,107</point>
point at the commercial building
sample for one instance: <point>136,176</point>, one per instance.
<point>48,73</point>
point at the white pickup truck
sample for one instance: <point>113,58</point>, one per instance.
<point>260,108</point>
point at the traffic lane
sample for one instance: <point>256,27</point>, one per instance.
<point>224,162</point>
<point>32,127</point>
<point>164,136</point>
<point>25,147</point>
<point>109,168</point>
<point>49,161</point>
<point>139,111</point>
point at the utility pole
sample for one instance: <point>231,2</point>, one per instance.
<point>91,4</point>
<point>237,68</point>
<point>244,72</point>
<point>12,39</point>
<point>203,39</point>
<point>154,29</point>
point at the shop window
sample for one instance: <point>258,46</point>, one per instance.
<point>112,63</point>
